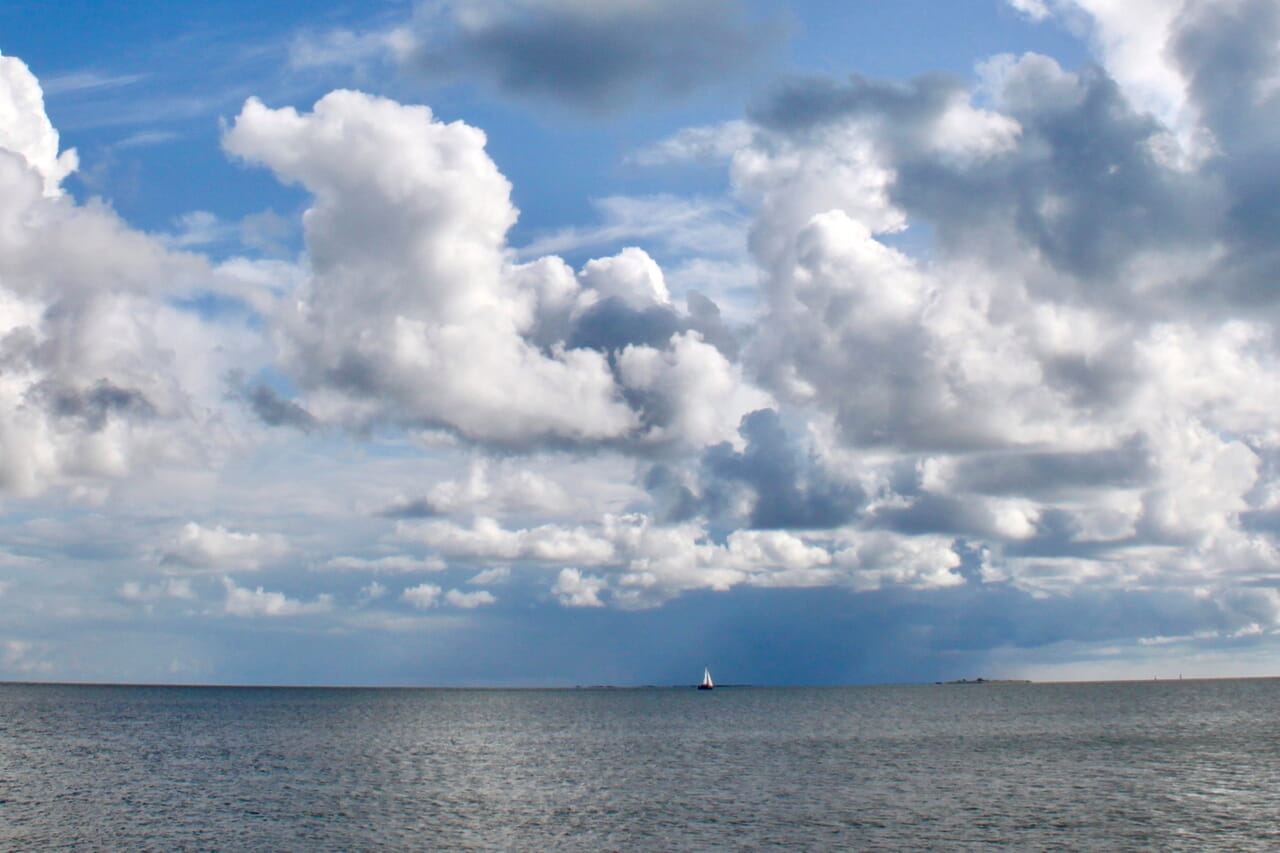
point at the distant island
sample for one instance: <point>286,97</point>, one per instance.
<point>987,681</point>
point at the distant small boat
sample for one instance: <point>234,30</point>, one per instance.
<point>707,683</point>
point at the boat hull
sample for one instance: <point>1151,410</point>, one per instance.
<point>705,687</point>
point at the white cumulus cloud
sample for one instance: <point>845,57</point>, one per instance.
<point>242,601</point>
<point>218,549</point>
<point>469,600</point>
<point>422,596</point>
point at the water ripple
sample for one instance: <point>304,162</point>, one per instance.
<point>1162,766</point>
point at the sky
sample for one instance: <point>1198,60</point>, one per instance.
<point>557,342</point>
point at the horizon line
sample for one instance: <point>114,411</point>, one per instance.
<point>727,685</point>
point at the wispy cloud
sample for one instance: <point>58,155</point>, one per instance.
<point>84,81</point>
<point>148,138</point>
<point>706,227</point>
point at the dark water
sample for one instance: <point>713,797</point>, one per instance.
<point>1161,766</point>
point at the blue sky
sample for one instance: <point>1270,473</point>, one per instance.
<point>558,342</point>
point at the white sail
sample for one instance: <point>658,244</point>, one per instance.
<point>706,678</point>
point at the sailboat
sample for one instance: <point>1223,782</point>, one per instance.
<point>707,683</point>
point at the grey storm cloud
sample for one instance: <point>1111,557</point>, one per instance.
<point>267,404</point>
<point>950,514</point>
<point>788,488</point>
<point>1227,52</point>
<point>1047,473</point>
<point>1091,155</point>
<point>1085,185</point>
<point>803,103</point>
<point>595,57</point>
<point>704,316</point>
<point>96,404</point>
<point>1084,146</point>
<point>418,508</point>
<point>612,324</point>
<point>275,410</point>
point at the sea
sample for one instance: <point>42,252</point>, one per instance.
<point>1162,766</point>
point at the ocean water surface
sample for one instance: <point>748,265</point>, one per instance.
<point>1161,766</point>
